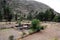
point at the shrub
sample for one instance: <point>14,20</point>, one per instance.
<point>11,37</point>
<point>35,25</point>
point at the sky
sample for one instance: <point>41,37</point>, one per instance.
<point>55,4</point>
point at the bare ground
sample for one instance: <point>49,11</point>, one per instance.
<point>6,33</point>
<point>52,32</point>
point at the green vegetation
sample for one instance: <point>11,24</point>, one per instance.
<point>40,16</point>
<point>47,16</point>
<point>7,12</point>
<point>1,16</point>
<point>11,37</point>
<point>36,25</point>
<point>29,17</point>
<point>57,18</point>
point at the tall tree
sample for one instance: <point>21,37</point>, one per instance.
<point>1,16</point>
<point>49,15</point>
<point>57,18</point>
<point>52,14</point>
<point>40,16</point>
<point>16,16</point>
<point>7,11</point>
<point>29,17</point>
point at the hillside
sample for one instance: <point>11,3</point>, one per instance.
<point>26,9</point>
<point>25,6</point>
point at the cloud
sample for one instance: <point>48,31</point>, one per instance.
<point>55,4</point>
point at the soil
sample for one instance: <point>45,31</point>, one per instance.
<point>51,32</point>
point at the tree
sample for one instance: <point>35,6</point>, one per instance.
<point>16,16</point>
<point>52,15</point>
<point>57,18</point>
<point>49,15</point>
<point>7,11</point>
<point>8,14</point>
<point>29,17</point>
<point>1,16</point>
<point>46,15</point>
<point>40,16</point>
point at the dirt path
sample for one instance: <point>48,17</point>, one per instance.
<point>50,33</point>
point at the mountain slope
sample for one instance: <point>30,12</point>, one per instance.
<point>25,6</point>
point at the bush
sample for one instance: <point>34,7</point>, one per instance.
<point>11,37</point>
<point>35,25</point>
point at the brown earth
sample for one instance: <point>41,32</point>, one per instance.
<point>52,32</point>
<point>6,33</point>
